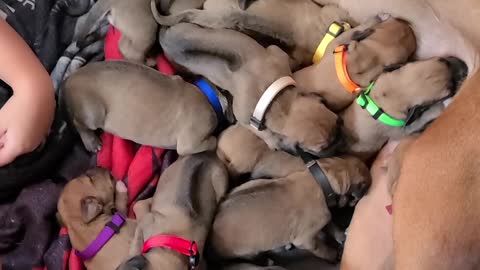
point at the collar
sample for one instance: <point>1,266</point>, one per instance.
<point>342,70</point>
<point>367,103</point>
<point>258,116</point>
<point>111,228</point>
<point>321,179</point>
<point>333,31</point>
<point>213,99</point>
<point>185,247</point>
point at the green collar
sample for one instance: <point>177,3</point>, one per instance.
<point>366,102</point>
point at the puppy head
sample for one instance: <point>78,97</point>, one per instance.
<point>88,196</point>
<point>240,149</point>
<point>370,51</point>
<point>412,90</point>
<point>310,126</point>
<point>349,177</point>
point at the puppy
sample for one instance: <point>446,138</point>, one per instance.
<point>140,104</point>
<point>85,206</point>
<point>243,152</point>
<point>412,95</point>
<point>248,221</point>
<point>177,6</point>
<point>183,206</point>
<point>235,62</point>
<point>268,21</point>
<point>132,18</point>
<point>371,48</point>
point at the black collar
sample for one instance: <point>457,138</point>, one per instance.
<point>319,175</point>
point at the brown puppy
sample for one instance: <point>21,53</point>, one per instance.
<point>183,206</point>
<point>372,47</point>
<point>85,206</point>
<point>413,94</point>
<point>235,62</point>
<point>120,97</point>
<point>268,21</point>
<point>132,18</point>
<point>248,220</point>
<point>243,152</point>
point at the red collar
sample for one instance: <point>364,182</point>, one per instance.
<point>188,248</point>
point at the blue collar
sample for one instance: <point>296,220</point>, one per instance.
<point>210,93</point>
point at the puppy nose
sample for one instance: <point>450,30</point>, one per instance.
<point>458,69</point>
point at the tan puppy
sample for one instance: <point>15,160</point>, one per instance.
<point>413,93</point>
<point>243,152</point>
<point>235,62</point>
<point>248,220</point>
<point>184,206</point>
<point>140,104</point>
<point>269,22</point>
<point>85,206</point>
<point>132,18</point>
<point>372,47</point>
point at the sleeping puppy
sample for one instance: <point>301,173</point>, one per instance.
<point>243,152</point>
<point>120,97</point>
<point>248,220</point>
<point>86,205</point>
<point>235,62</point>
<point>268,21</point>
<point>132,18</point>
<point>371,48</point>
<point>184,206</point>
<point>409,97</point>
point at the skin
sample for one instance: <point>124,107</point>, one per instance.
<point>27,116</point>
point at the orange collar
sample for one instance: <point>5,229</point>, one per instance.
<point>342,71</point>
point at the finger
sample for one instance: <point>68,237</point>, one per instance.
<point>8,154</point>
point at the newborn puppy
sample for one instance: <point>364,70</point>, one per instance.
<point>243,152</point>
<point>184,206</point>
<point>292,118</point>
<point>268,21</point>
<point>409,98</point>
<point>132,18</point>
<point>139,104</point>
<point>370,48</point>
<point>263,215</point>
<point>86,205</point>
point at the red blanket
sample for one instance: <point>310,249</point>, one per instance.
<point>138,166</point>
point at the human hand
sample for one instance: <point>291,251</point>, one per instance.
<point>25,121</point>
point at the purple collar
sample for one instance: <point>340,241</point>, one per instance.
<point>111,228</point>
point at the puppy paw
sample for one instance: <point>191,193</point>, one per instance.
<point>121,187</point>
<point>384,16</point>
<point>93,144</point>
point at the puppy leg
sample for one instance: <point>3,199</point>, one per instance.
<point>188,146</point>
<point>90,140</point>
<point>130,51</point>
<point>121,197</point>
<point>138,239</point>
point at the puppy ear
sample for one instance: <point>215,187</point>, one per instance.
<point>361,35</point>
<point>90,208</point>
<point>244,4</point>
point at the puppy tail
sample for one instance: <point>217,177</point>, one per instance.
<point>136,263</point>
<point>94,19</point>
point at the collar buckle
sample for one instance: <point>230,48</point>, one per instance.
<point>194,258</point>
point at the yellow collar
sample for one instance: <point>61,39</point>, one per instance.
<point>334,30</point>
